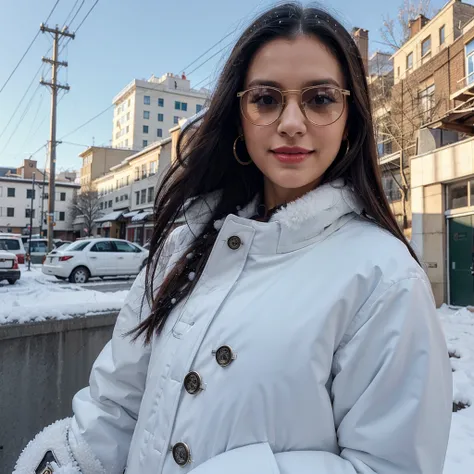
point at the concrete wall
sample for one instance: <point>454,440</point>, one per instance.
<point>42,365</point>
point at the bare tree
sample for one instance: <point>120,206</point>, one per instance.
<point>395,32</point>
<point>399,111</point>
<point>85,205</point>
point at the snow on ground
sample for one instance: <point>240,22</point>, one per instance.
<point>37,297</point>
<point>458,326</point>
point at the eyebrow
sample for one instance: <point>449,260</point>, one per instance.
<point>315,82</point>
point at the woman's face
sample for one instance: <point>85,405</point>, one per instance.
<point>293,65</point>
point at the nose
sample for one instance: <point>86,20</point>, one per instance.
<point>292,121</point>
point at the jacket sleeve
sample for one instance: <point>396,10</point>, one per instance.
<point>106,412</point>
<point>391,392</point>
<point>97,438</point>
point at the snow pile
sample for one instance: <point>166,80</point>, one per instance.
<point>458,326</point>
<point>37,297</point>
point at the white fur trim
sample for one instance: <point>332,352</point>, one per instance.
<point>55,438</point>
<point>328,201</point>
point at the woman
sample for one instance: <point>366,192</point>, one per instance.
<point>287,327</point>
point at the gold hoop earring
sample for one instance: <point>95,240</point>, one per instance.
<point>243,163</point>
<point>347,147</point>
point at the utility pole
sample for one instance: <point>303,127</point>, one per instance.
<point>57,34</point>
<point>31,220</point>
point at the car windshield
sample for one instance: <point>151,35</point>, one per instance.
<point>9,244</point>
<point>75,246</point>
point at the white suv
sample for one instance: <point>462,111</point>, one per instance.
<point>12,243</point>
<point>95,258</point>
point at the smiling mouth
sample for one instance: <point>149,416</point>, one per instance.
<point>291,155</point>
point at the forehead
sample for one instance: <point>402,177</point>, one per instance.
<point>294,62</point>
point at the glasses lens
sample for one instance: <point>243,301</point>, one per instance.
<point>262,105</point>
<point>323,105</point>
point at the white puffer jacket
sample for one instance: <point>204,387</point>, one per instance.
<point>310,345</point>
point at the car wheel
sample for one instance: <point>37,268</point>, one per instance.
<point>12,281</point>
<point>60,278</point>
<point>79,275</point>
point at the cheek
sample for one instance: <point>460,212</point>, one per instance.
<point>257,140</point>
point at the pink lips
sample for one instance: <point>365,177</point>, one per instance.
<point>291,154</point>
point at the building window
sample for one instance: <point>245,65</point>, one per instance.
<point>152,167</point>
<point>137,198</point>
<point>159,132</point>
<point>398,71</point>
<point>143,196</point>
<point>143,171</point>
<point>137,173</point>
<point>426,47</point>
<point>30,193</point>
<point>128,116</point>
<point>470,62</point>
<point>146,100</point>
<point>410,61</point>
<point>177,105</point>
<point>442,33</point>
<point>151,192</point>
<point>62,216</point>
<point>390,186</point>
<point>458,195</point>
<point>145,128</point>
<point>161,102</point>
<point>11,192</point>
<point>384,148</point>
<point>184,106</point>
<point>125,197</point>
<point>62,196</point>
<point>175,120</point>
<point>198,108</point>
<point>126,142</point>
<point>29,214</point>
<point>116,199</point>
<point>101,206</point>
<point>127,180</point>
<point>106,204</point>
<point>145,143</point>
<point>110,203</point>
<point>160,117</point>
<point>10,212</point>
<point>427,103</point>
<point>146,114</point>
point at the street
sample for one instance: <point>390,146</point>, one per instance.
<point>104,286</point>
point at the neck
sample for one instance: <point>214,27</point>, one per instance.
<point>275,195</point>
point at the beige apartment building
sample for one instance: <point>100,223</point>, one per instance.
<point>145,111</point>
<point>127,193</point>
<point>97,161</point>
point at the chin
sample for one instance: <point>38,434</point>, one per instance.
<point>294,180</point>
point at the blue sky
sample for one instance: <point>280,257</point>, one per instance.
<point>119,41</point>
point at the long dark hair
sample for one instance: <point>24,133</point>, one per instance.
<point>205,161</point>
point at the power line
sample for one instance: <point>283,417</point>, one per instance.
<point>28,105</point>
<point>209,58</point>
<point>78,10</point>
<point>212,47</point>
<point>21,101</point>
<point>88,122</point>
<point>72,9</point>
<point>87,14</point>
<point>27,50</point>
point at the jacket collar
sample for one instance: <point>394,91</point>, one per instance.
<point>311,217</point>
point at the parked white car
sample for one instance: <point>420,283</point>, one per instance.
<point>12,243</point>
<point>95,258</point>
<point>9,269</point>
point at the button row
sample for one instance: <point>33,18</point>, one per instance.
<point>193,384</point>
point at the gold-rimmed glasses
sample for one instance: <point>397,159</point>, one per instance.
<point>322,104</point>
